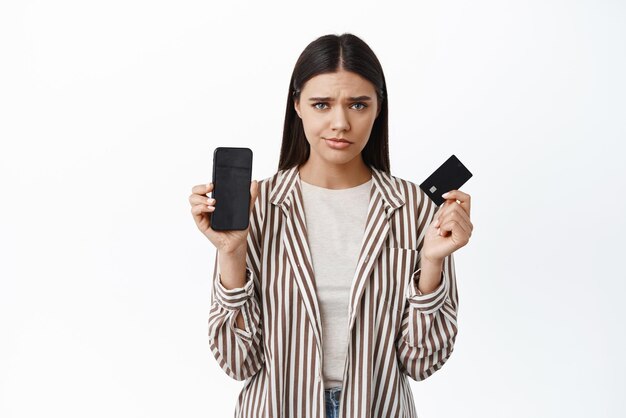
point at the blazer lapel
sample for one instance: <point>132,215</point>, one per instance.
<point>288,196</point>
<point>385,197</point>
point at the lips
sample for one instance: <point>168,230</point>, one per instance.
<point>337,144</point>
<point>339,140</point>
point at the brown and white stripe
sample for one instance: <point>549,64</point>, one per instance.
<point>394,331</point>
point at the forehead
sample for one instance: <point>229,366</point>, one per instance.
<point>338,83</point>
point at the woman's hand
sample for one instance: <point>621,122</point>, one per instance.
<point>201,209</point>
<point>451,228</point>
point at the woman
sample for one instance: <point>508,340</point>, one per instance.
<point>344,283</point>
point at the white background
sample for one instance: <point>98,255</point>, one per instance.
<point>109,114</point>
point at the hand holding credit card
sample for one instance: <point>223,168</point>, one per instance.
<point>450,175</point>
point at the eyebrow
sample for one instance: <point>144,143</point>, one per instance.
<point>330,99</point>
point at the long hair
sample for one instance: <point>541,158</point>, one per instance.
<point>328,54</point>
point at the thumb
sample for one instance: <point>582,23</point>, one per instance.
<point>254,192</point>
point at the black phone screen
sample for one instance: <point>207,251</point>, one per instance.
<point>232,174</point>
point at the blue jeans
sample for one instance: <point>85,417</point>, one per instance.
<point>332,401</point>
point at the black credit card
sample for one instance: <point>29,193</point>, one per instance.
<point>450,175</point>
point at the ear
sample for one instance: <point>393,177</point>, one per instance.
<point>296,106</point>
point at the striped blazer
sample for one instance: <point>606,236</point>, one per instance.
<point>394,330</point>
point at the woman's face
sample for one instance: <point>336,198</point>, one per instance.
<point>339,105</point>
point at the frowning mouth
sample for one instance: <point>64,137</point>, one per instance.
<point>338,143</point>
<point>338,140</point>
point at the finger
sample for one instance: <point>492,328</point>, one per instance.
<point>254,192</point>
<point>442,211</point>
<point>198,210</point>
<point>438,219</point>
<point>457,210</point>
<point>202,188</point>
<point>196,199</point>
<point>455,213</point>
<point>463,199</point>
<point>456,194</point>
<point>463,226</point>
<point>454,227</point>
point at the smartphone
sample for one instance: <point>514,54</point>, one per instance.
<point>450,175</point>
<point>232,175</point>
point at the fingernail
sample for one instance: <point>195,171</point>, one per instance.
<point>445,194</point>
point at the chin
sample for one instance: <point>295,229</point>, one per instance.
<point>338,158</point>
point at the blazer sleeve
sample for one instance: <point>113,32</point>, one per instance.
<point>239,352</point>
<point>429,325</point>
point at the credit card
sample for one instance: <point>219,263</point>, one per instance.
<point>450,175</point>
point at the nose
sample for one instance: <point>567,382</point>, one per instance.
<point>339,120</point>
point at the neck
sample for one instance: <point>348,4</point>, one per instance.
<point>335,176</point>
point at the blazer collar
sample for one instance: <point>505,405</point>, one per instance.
<point>392,195</point>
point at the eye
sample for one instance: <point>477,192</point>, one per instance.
<point>315,104</point>
<point>362,104</point>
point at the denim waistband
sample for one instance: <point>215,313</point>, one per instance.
<point>333,393</point>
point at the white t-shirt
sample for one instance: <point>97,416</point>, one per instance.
<point>335,221</point>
